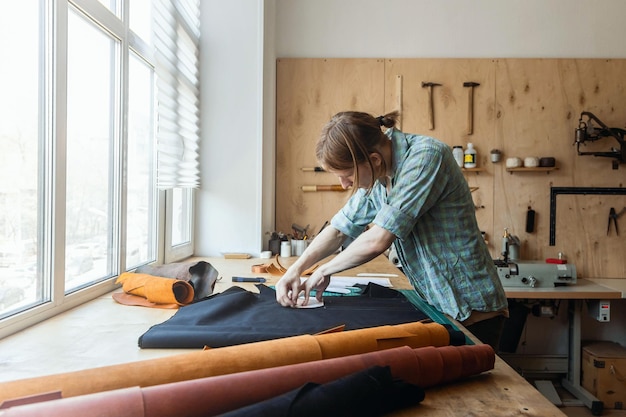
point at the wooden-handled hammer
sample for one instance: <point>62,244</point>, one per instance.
<point>431,109</point>
<point>470,106</point>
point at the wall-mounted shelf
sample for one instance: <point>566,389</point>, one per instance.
<point>533,169</point>
<point>477,170</point>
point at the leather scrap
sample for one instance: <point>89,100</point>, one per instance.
<point>135,300</point>
<point>275,268</point>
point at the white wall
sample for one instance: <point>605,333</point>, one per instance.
<point>450,28</point>
<point>242,38</point>
<point>230,208</point>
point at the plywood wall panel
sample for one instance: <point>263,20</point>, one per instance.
<point>530,99</point>
<point>539,102</point>
<point>309,93</point>
<point>524,107</point>
<point>451,102</point>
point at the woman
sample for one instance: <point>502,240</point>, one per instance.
<point>407,189</point>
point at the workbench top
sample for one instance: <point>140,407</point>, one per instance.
<point>103,332</point>
<point>615,284</point>
<point>584,289</point>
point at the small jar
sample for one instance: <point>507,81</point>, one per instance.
<point>457,151</point>
<point>285,249</point>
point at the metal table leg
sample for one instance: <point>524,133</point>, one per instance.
<point>574,360</point>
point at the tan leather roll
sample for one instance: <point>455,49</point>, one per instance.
<point>156,289</point>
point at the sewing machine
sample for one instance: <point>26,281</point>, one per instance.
<point>525,273</point>
<point>535,274</point>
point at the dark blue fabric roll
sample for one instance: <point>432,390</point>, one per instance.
<point>369,393</point>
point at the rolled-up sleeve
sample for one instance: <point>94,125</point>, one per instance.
<point>395,221</point>
<point>355,215</point>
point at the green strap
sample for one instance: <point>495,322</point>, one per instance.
<point>430,311</point>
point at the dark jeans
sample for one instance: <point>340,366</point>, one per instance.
<point>488,331</point>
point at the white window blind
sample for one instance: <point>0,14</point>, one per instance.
<point>177,38</point>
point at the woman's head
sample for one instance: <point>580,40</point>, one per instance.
<point>351,146</point>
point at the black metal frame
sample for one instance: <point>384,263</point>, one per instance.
<point>555,191</point>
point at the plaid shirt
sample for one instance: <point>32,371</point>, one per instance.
<point>431,212</point>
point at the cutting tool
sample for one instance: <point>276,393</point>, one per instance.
<point>613,216</point>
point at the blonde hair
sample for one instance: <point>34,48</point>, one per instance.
<point>349,138</point>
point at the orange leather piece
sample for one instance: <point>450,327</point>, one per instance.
<point>156,289</point>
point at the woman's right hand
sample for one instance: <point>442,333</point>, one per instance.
<point>288,289</point>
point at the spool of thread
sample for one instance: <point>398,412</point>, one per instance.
<point>514,162</point>
<point>531,162</point>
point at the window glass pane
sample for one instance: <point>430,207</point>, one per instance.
<point>181,215</point>
<point>111,5</point>
<point>20,282</point>
<point>90,135</point>
<point>140,19</point>
<point>140,212</point>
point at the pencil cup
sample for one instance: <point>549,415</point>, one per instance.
<point>298,246</point>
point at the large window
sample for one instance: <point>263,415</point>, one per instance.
<point>81,132</point>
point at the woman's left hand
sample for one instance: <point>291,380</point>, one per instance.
<point>318,282</point>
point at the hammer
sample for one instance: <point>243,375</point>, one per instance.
<point>470,106</point>
<point>431,110</point>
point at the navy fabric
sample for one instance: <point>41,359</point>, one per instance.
<point>237,316</point>
<point>368,393</point>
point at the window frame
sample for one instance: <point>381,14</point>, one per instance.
<point>52,165</point>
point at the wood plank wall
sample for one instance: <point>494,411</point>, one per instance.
<point>524,107</point>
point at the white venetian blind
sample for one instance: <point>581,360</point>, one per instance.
<point>177,44</point>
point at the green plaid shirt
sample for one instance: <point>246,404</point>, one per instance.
<point>431,212</point>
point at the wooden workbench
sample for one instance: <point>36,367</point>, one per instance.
<point>575,294</point>
<point>499,392</point>
<point>62,345</point>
